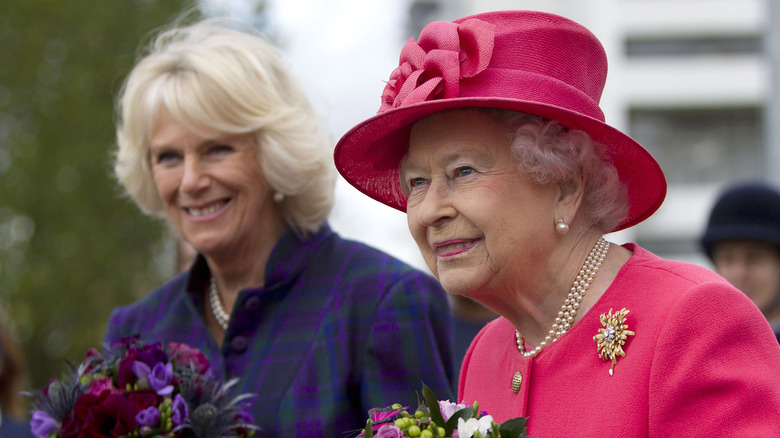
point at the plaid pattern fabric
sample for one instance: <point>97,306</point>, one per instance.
<point>338,328</point>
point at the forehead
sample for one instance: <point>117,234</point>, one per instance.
<point>745,247</point>
<point>456,133</point>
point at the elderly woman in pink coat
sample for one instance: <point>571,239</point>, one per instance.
<point>491,139</point>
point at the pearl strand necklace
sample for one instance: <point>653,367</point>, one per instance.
<point>568,311</point>
<point>216,305</point>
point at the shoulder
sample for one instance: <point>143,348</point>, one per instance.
<point>672,294</point>
<point>358,262</point>
<point>645,264</point>
<point>142,314</point>
<point>705,338</point>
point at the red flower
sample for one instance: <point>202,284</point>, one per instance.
<point>106,415</point>
<point>142,399</point>
<point>71,425</point>
<point>432,67</point>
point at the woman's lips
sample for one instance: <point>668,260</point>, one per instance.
<point>206,212</point>
<point>455,247</point>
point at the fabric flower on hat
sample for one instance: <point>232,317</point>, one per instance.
<point>432,67</point>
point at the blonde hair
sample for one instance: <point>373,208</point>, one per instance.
<point>549,153</point>
<point>208,75</point>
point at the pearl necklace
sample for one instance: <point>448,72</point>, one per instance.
<point>568,311</point>
<point>216,305</point>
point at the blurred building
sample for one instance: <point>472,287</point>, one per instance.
<point>691,80</point>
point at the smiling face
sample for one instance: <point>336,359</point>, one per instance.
<point>479,223</point>
<point>212,188</point>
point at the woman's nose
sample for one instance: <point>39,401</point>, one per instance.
<point>436,206</point>
<point>194,177</point>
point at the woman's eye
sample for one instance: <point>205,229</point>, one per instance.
<point>464,171</point>
<point>220,149</point>
<point>165,157</point>
<point>416,182</point>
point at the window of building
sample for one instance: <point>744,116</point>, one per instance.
<point>707,46</point>
<point>703,145</point>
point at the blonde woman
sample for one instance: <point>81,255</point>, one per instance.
<point>216,136</point>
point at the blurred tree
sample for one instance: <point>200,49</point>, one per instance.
<point>71,246</point>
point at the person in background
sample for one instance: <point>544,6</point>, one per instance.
<point>490,137</point>
<point>12,424</point>
<point>742,240</point>
<point>215,135</point>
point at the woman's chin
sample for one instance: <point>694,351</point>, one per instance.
<point>454,284</point>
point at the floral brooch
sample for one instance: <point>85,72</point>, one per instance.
<point>612,337</point>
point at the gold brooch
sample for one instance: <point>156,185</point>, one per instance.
<point>613,336</point>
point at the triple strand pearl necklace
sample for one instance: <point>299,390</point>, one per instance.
<point>216,305</point>
<point>568,311</point>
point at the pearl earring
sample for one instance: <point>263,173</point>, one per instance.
<point>561,227</point>
<point>278,197</point>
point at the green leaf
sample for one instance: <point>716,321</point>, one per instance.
<point>514,428</point>
<point>368,432</point>
<point>433,406</point>
<point>452,423</point>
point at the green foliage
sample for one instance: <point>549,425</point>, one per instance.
<point>72,247</point>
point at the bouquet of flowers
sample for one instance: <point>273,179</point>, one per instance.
<point>132,389</point>
<point>439,418</point>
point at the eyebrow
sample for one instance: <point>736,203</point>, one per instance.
<point>446,158</point>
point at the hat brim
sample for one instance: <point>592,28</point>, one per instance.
<point>368,155</point>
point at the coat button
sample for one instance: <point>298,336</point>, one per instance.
<point>252,304</point>
<point>238,344</point>
<point>517,381</point>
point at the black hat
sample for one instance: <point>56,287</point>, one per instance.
<point>744,211</point>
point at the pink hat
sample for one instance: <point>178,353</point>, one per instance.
<point>527,61</point>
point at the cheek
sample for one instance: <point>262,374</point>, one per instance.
<point>166,183</point>
<point>418,233</point>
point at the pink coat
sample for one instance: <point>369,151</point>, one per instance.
<point>703,362</point>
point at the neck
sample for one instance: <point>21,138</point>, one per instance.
<point>242,267</point>
<point>537,319</point>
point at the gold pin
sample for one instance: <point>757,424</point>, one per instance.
<point>612,337</point>
<point>517,381</point>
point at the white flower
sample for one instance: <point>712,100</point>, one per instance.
<point>466,429</point>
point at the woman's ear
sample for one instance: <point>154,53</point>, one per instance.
<point>568,198</point>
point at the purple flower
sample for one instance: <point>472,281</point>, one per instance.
<point>149,417</point>
<point>42,424</point>
<point>159,378</point>
<point>244,416</point>
<point>179,412</point>
<point>389,431</point>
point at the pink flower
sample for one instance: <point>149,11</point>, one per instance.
<point>448,408</point>
<point>389,431</point>
<point>433,67</point>
<point>184,354</point>
<point>382,416</point>
<point>98,386</point>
